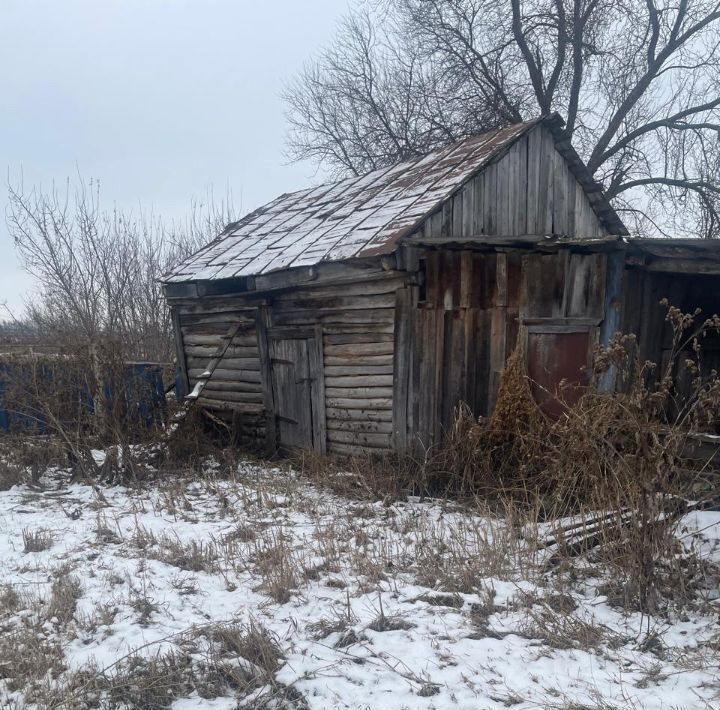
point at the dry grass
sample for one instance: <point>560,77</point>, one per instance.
<point>28,659</point>
<point>278,565</point>
<point>11,474</point>
<point>193,556</point>
<point>65,591</point>
<point>37,540</point>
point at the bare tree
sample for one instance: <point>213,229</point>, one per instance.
<point>98,270</point>
<point>638,82</point>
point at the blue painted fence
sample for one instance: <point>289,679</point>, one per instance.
<point>138,394</point>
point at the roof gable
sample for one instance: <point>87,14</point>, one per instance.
<point>360,216</point>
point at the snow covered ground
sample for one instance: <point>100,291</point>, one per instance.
<point>357,604</point>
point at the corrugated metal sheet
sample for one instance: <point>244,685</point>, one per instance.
<point>359,216</point>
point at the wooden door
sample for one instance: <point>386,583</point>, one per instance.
<point>292,396</point>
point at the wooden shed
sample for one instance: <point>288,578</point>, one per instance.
<point>355,316</point>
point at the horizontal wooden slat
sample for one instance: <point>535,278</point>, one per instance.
<point>346,403</point>
<point>358,426</point>
<point>219,328</point>
<point>230,386</point>
<point>250,397</point>
<point>216,339</point>
<point>359,361</point>
<point>204,318</point>
<point>371,337</point>
<point>233,306</point>
<point>227,363</point>
<point>340,317</point>
<point>375,332</point>
<point>357,370</point>
<point>228,375</point>
<point>360,381</point>
<point>356,349</point>
<point>359,288</point>
<point>333,302</point>
<point>244,407</point>
<point>375,415</point>
<point>208,351</point>
<point>339,449</point>
<point>361,392</point>
<point>356,437</point>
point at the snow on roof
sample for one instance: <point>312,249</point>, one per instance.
<point>356,217</point>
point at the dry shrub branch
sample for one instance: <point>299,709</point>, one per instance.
<point>615,463</point>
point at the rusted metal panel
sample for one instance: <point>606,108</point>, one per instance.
<point>555,357</point>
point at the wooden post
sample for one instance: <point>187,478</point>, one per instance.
<point>317,390</point>
<point>611,312</point>
<point>262,323</point>
<point>182,375</point>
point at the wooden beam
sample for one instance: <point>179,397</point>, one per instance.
<point>182,375</point>
<point>261,326</point>
<point>317,390</point>
<point>702,265</point>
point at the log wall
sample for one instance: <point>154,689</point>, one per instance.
<point>352,311</point>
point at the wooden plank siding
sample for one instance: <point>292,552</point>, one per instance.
<point>475,306</point>
<point>529,189</point>
<point>348,317</point>
<point>398,340</point>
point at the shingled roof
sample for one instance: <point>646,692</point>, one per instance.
<point>367,215</point>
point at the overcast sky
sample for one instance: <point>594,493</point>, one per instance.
<point>159,99</point>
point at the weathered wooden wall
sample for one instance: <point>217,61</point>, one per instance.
<point>466,320</point>
<point>529,190</point>
<point>399,345</point>
<point>350,308</point>
<point>643,314</point>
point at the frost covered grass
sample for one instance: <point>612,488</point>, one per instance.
<point>250,586</point>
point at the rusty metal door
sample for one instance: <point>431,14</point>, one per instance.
<point>557,362</point>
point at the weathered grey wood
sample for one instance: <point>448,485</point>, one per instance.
<point>330,272</point>
<point>182,375</point>
<point>206,351</point>
<point>217,319</point>
<point>353,450</point>
<point>374,337</point>
<point>359,403</point>
<point>261,328</point>
<point>210,369</point>
<point>401,369</point>
<point>344,329</point>
<point>354,425</point>
<point>684,266</point>
<point>292,396</point>
<point>232,386</point>
<point>359,381</point>
<point>373,288</point>
<point>360,348</point>
<point>378,440</point>
<point>358,370</point>
<point>216,339</point>
<point>228,375</point>
<point>345,414</point>
<point>251,397</point>
<point>355,392</point>
<point>333,303</point>
<point>317,390</point>
<point>368,317</point>
<point>245,407</point>
<point>360,360</point>
<point>227,363</point>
